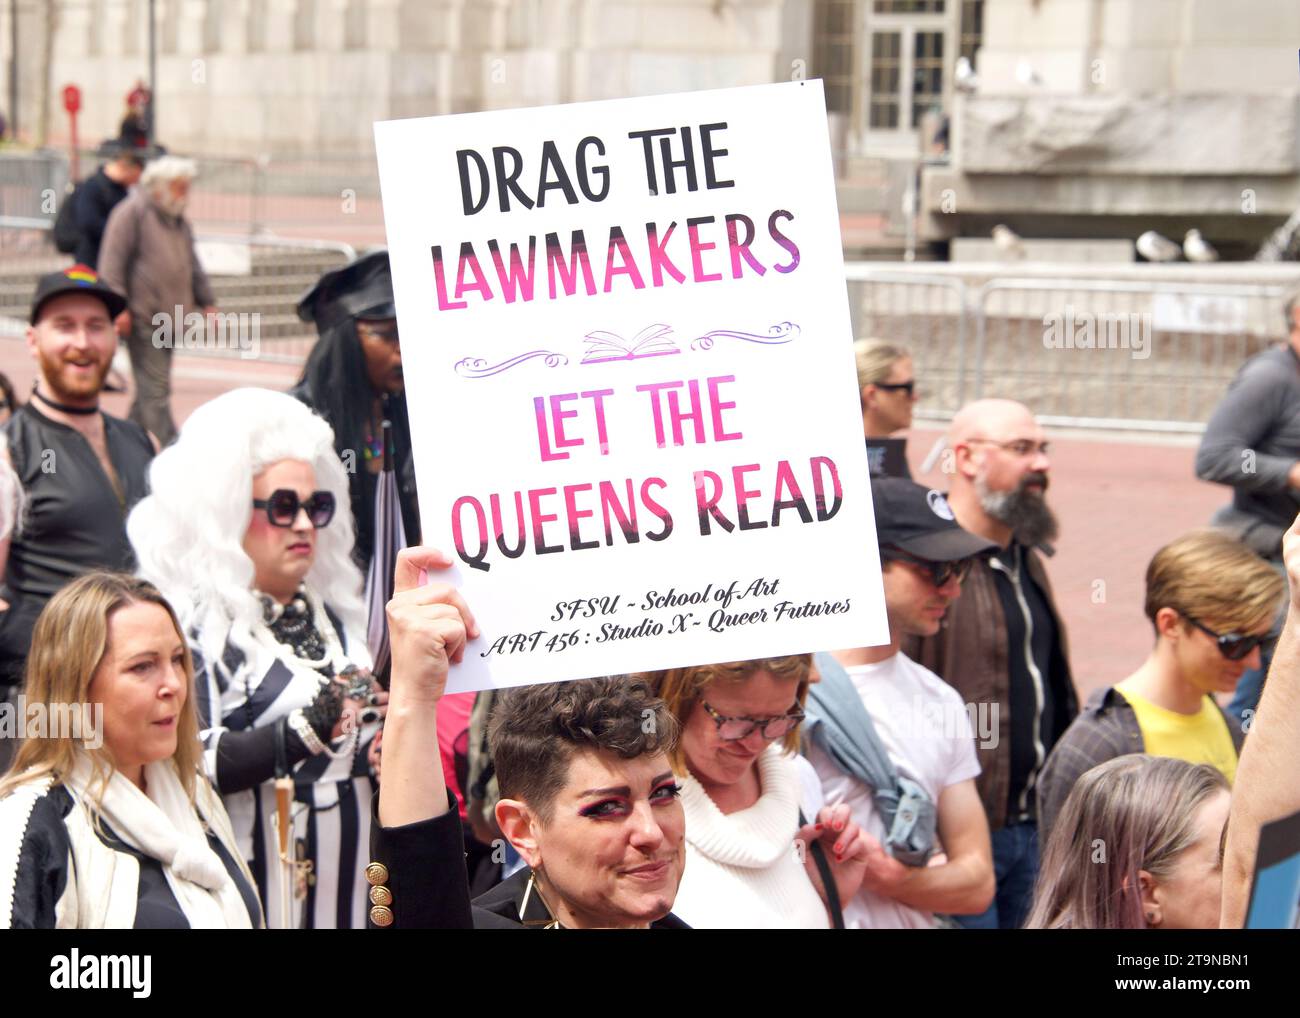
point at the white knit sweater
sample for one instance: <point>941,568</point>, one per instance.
<point>742,869</point>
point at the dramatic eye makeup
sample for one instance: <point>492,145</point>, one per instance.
<point>605,808</point>
<point>666,792</point>
<point>616,802</point>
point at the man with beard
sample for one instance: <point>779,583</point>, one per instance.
<point>80,469</point>
<point>1002,646</point>
<point>353,379</point>
<point>148,254</point>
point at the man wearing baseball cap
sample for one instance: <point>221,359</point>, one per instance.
<point>877,702</point>
<point>81,470</point>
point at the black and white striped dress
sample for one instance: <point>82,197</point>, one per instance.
<point>331,816</point>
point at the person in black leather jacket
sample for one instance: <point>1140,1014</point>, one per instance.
<point>588,796</point>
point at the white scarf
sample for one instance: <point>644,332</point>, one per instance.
<point>164,825</point>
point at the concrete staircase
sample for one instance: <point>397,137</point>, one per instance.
<point>278,279</point>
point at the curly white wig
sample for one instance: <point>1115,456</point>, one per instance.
<point>188,533</point>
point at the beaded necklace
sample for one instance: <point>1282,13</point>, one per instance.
<point>293,625</point>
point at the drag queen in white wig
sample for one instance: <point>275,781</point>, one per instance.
<point>248,533</point>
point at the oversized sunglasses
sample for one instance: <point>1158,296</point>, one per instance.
<point>1233,646</point>
<point>735,729</point>
<point>283,506</point>
<point>939,572</point>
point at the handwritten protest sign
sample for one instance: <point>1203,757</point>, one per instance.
<point>627,351</point>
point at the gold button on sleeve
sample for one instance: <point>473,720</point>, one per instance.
<point>380,895</point>
<point>376,873</point>
<point>381,915</point>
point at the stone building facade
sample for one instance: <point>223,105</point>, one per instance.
<point>1089,118</point>
<point>292,77</point>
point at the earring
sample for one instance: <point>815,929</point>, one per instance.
<point>1151,917</point>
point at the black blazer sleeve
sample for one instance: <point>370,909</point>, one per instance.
<point>426,873</point>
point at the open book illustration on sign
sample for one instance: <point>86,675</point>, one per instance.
<point>652,341</point>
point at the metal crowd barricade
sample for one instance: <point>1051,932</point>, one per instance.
<point>927,314</point>
<point>258,282</point>
<point>1137,355</point>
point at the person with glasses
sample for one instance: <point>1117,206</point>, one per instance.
<point>1211,601</point>
<point>353,378</point>
<point>918,721</point>
<point>248,533</point>
<point>755,858</point>
<point>1002,645</point>
<point>887,390</point>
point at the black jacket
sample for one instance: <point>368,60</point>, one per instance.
<point>95,200</point>
<point>423,866</point>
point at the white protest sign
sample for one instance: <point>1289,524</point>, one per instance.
<point>630,379</point>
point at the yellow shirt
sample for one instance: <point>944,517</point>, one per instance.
<point>1199,738</point>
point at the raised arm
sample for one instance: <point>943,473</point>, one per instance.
<point>1266,788</point>
<point>418,840</point>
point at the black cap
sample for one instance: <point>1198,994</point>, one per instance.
<point>77,279</point>
<point>361,289</point>
<point>920,522</point>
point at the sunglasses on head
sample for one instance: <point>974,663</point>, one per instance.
<point>283,506</point>
<point>1233,646</point>
<point>939,572</point>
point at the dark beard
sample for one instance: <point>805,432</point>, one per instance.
<point>1026,513</point>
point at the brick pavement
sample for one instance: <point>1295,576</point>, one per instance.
<point>1119,500</point>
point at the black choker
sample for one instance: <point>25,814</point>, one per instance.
<point>63,408</point>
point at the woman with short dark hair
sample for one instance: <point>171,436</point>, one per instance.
<point>588,797</point>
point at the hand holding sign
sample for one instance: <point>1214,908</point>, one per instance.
<point>428,625</point>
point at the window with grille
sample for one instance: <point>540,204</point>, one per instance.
<point>927,73</point>
<point>886,73</point>
<point>972,28</point>
<point>909,6</point>
<point>833,22</point>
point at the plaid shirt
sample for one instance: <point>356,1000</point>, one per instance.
<point>1107,728</point>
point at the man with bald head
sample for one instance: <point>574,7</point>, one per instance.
<point>1002,646</point>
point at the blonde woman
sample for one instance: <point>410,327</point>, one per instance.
<point>887,389</point>
<point>749,799</point>
<point>1137,847</point>
<point>105,818</point>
